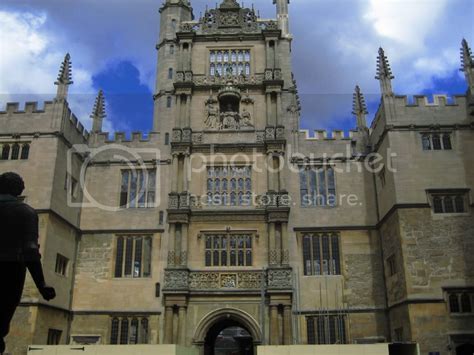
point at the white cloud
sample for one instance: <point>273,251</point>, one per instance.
<point>406,22</point>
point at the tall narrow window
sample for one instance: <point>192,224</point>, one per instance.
<point>133,257</point>
<point>168,101</point>
<point>447,142</point>
<point>167,139</point>
<point>114,331</point>
<point>25,151</point>
<point>454,303</point>
<point>172,49</point>
<point>124,331</point>
<point>459,202</point>
<point>426,140</point>
<point>321,254</point>
<point>61,265</point>
<point>15,151</point>
<point>170,73</point>
<point>436,142</point>
<point>5,152</point>
<point>448,204</point>
<point>437,205</point>
<point>54,337</point>
<point>466,303</point>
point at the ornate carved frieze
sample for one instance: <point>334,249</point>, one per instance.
<point>176,280</point>
<point>187,133</point>
<point>245,280</point>
<point>176,135</point>
<point>203,80</point>
<point>280,279</point>
<point>285,257</point>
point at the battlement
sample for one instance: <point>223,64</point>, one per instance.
<point>323,135</point>
<point>133,140</point>
<point>29,107</point>
<point>427,101</point>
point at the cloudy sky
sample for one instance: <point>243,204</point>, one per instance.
<point>112,44</point>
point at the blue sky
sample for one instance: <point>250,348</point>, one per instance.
<point>112,44</point>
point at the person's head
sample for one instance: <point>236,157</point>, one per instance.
<point>11,184</point>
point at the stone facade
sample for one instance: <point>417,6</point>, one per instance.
<point>397,260</point>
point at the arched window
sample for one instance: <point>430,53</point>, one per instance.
<point>15,151</point>
<point>437,205</point>
<point>219,56</point>
<point>213,56</point>
<point>447,142</point>
<point>226,56</point>
<point>426,142</point>
<point>241,56</point>
<point>248,184</point>
<point>234,69</point>
<point>448,204</point>
<point>233,201</point>
<point>217,185</point>
<point>219,69</point>
<point>167,138</point>
<point>454,303</point>
<point>459,202</point>
<point>173,24</point>
<point>208,258</point>
<point>247,56</point>
<point>213,70</point>
<point>241,69</point>
<point>436,142</point>
<point>114,331</point>
<point>170,73</point>
<point>172,49</point>
<point>5,152</point>
<point>25,151</point>
<point>247,69</point>
<point>234,56</point>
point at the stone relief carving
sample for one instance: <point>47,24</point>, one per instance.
<point>176,279</point>
<point>228,281</point>
<point>219,280</point>
<point>203,80</point>
<point>280,279</point>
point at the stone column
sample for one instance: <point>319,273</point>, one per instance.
<point>280,175</point>
<point>178,111</point>
<point>174,178</point>
<point>270,173</point>
<point>269,109</point>
<point>188,111</point>
<point>186,172</point>
<point>267,54</point>
<point>184,244</point>
<point>285,253</point>
<point>168,337</point>
<point>274,326</point>
<point>172,245</point>
<point>276,57</point>
<point>287,330</point>
<point>278,109</point>
<point>182,326</point>
<point>271,244</point>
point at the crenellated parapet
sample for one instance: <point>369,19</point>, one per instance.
<point>135,140</point>
<point>40,118</point>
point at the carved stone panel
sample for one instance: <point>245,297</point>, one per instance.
<point>280,279</point>
<point>176,279</point>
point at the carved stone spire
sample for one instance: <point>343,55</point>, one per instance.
<point>467,64</point>
<point>359,108</point>
<point>384,73</point>
<point>98,112</point>
<point>64,78</point>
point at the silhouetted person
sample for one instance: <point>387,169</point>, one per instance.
<point>19,250</point>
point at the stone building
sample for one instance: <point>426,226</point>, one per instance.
<point>228,227</point>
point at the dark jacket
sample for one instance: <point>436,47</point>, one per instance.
<point>18,231</point>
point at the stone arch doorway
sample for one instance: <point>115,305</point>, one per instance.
<point>228,332</point>
<point>465,349</point>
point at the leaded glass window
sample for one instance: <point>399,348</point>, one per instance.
<point>317,186</point>
<point>224,62</point>
<point>133,256</point>
<point>449,202</point>
<point>436,141</point>
<point>129,330</point>
<point>138,188</point>
<point>321,254</point>
<point>326,329</point>
<point>229,185</point>
<point>228,249</point>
